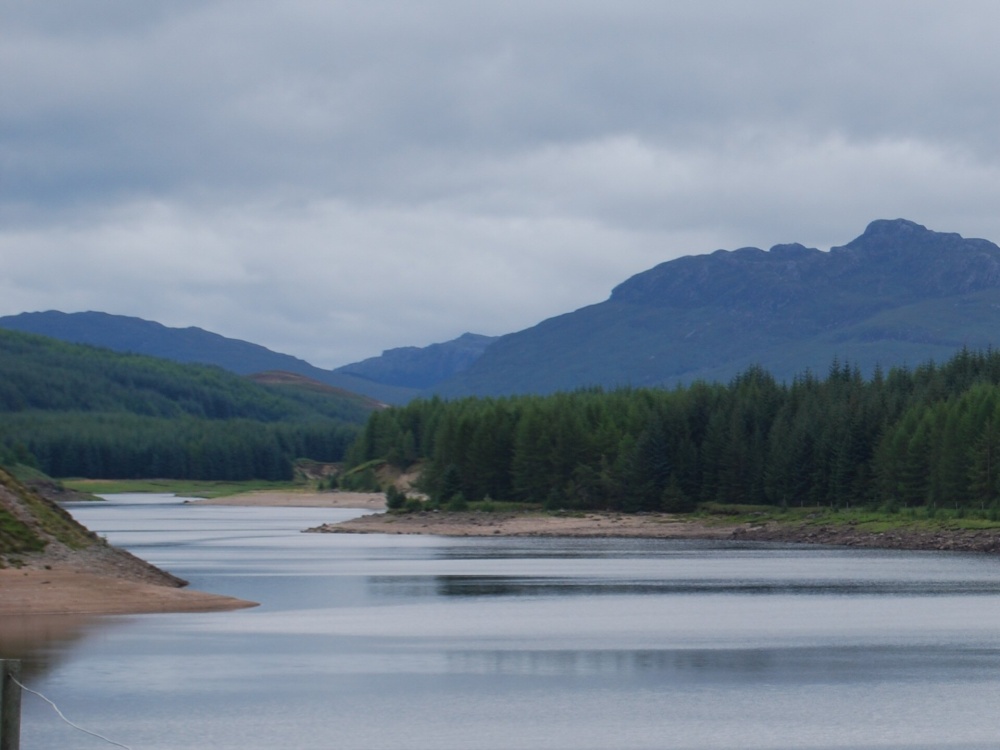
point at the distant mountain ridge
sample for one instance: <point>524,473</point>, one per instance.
<point>899,294</point>
<point>382,378</point>
<point>421,367</point>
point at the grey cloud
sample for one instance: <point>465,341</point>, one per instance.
<point>343,96</point>
<point>274,170</point>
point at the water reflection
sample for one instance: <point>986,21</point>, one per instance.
<point>517,548</point>
<point>416,642</point>
<point>420,587</point>
<point>667,665</point>
<point>39,641</point>
<point>801,666</point>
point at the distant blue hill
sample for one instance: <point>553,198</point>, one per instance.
<point>421,367</point>
<point>899,294</point>
<point>388,381</point>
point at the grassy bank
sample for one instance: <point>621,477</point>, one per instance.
<point>182,487</point>
<point>28,522</point>
<point>862,519</point>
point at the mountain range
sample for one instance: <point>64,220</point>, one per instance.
<point>395,377</point>
<point>899,294</point>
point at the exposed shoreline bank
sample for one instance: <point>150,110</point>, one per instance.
<point>103,580</point>
<point>99,582</point>
<point>527,523</point>
<point>903,538</point>
<point>291,499</point>
<point>69,591</point>
<point>664,526</point>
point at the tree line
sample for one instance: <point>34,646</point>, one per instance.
<point>39,373</point>
<point>926,436</point>
<point>73,410</point>
<point>127,446</point>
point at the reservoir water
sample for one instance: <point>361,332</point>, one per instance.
<point>369,642</point>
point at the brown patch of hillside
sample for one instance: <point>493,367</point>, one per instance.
<point>293,380</point>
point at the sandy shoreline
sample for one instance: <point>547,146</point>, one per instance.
<point>664,526</point>
<point>68,592</point>
<point>97,582</point>
<point>268,498</point>
<point>60,588</point>
<point>596,524</point>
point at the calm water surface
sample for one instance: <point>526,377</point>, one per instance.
<point>369,642</point>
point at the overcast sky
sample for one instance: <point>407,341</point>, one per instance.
<point>332,178</point>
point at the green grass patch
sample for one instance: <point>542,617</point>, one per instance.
<point>16,536</point>
<point>502,506</point>
<point>57,522</point>
<point>728,513</point>
<point>363,478</point>
<point>375,463</point>
<point>416,505</point>
<point>46,518</point>
<point>24,473</point>
<point>180,487</point>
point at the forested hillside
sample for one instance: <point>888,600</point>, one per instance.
<point>76,410</point>
<point>930,436</point>
<point>394,377</point>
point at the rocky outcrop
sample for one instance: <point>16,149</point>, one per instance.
<point>955,540</point>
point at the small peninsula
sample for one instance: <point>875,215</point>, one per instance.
<point>857,528</point>
<point>52,565</point>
